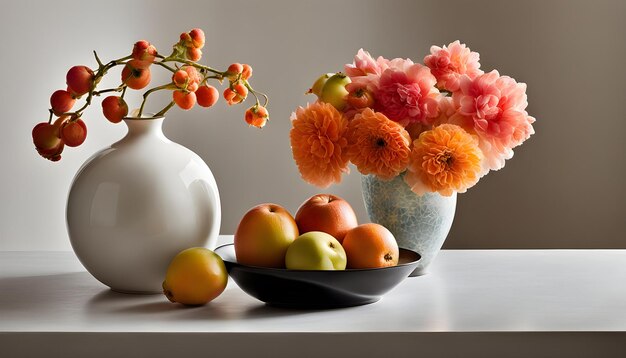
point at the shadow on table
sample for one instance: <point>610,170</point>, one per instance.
<point>41,295</point>
<point>228,306</point>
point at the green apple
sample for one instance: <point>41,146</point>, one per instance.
<point>335,92</point>
<point>315,250</point>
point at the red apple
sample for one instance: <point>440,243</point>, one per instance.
<point>327,213</point>
<point>263,236</point>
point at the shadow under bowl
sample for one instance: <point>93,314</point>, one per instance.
<point>317,289</point>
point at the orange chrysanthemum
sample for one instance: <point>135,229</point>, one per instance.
<point>318,143</point>
<point>444,159</point>
<point>378,145</point>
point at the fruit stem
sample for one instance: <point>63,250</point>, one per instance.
<point>254,93</point>
<point>194,64</point>
<point>160,63</point>
<point>147,93</point>
<point>220,78</point>
<point>97,59</point>
<point>164,110</point>
<point>116,89</point>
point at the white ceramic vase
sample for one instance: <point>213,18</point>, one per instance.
<point>133,206</point>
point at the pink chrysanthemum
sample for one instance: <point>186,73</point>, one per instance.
<point>365,64</point>
<point>449,63</point>
<point>407,94</point>
<point>493,107</point>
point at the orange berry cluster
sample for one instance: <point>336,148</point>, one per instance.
<point>188,85</point>
<point>237,92</point>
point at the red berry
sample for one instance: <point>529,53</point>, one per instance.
<point>207,96</point>
<point>242,90</point>
<point>135,75</point>
<point>237,94</point>
<point>61,101</point>
<point>184,100</point>
<point>74,133</point>
<point>185,39</point>
<point>52,154</point>
<point>114,108</point>
<point>194,54</point>
<point>79,80</point>
<point>197,38</point>
<point>143,51</point>
<point>246,72</point>
<point>47,141</point>
<point>234,70</point>
<point>180,78</point>
<point>187,78</point>
<point>229,96</point>
<point>256,116</point>
<point>45,135</point>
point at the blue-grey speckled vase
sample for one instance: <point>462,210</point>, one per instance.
<point>419,223</point>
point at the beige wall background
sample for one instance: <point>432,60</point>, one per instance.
<point>563,189</point>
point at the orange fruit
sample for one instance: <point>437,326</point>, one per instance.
<point>370,246</point>
<point>195,276</point>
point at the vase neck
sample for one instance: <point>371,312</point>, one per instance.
<point>144,127</point>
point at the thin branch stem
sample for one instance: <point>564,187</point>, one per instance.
<point>164,110</point>
<point>148,92</point>
<point>97,59</point>
<point>165,66</point>
<point>254,93</point>
<point>117,89</point>
<point>194,64</point>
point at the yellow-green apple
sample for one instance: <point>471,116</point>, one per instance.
<point>315,250</point>
<point>328,213</point>
<point>334,90</point>
<point>263,236</point>
<point>316,89</point>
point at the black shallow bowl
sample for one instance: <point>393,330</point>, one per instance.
<point>317,289</point>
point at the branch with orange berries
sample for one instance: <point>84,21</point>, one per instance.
<point>189,86</point>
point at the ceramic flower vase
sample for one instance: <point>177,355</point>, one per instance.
<point>419,223</point>
<point>133,206</point>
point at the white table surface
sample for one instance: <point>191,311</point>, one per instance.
<point>483,303</point>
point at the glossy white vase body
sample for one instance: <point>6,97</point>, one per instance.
<point>133,206</point>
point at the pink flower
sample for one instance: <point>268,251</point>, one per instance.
<point>365,64</point>
<point>446,110</point>
<point>493,107</point>
<point>365,71</point>
<point>449,63</point>
<point>406,93</point>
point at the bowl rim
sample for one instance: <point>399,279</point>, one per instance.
<point>273,269</point>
